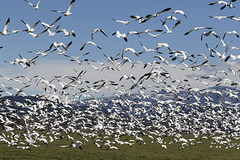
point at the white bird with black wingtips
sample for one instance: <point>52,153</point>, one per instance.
<point>97,30</point>
<point>67,13</point>
<point>196,28</point>
<point>120,35</point>
<point>66,33</point>
<point>90,42</point>
<point>35,7</point>
<point>5,32</point>
<point>29,29</point>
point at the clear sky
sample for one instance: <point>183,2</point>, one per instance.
<point>88,15</point>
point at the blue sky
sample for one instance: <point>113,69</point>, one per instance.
<point>88,15</point>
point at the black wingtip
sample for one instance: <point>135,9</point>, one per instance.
<point>167,9</point>
<point>8,20</point>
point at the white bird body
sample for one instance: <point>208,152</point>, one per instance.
<point>24,62</point>
<point>196,28</point>
<point>220,17</point>
<point>164,146</point>
<point>72,32</point>
<point>179,11</point>
<point>50,25</point>
<point>57,45</point>
<point>61,44</point>
<point>230,33</point>
<point>97,30</point>
<point>170,30</point>
<point>90,42</point>
<point>159,45</point>
<point>113,147</point>
<point>123,22</point>
<point>233,57</point>
<point>67,13</point>
<point>5,32</point>
<point>119,35</point>
<point>65,48</point>
<point>155,35</point>
<point>148,17</point>
<point>224,4</point>
<point>30,29</point>
<point>146,49</point>
<point>50,33</point>
<point>169,18</point>
<point>35,7</point>
<point>209,33</point>
<point>129,49</point>
<point>34,35</point>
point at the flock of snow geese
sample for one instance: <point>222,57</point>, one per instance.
<point>154,106</point>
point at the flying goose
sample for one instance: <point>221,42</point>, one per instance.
<point>5,32</point>
<point>196,28</point>
<point>154,15</point>
<point>224,4</point>
<point>90,42</point>
<point>35,7</point>
<point>179,11</point>
<point>170,30</point>
<point>119,35</point>
<point>169,18</point>
<point>209,33</point>
<point>67,13</point>
<point>97,30</point>
<point>129,49</point>
<point>123,22</point>
<point>52,24</point>
<point>34,35</point>
<point>72,32</point>
<point>51,33</point>
<point>65,48</point>
<point>232,32</point>
<point>29,29</point>
<point>220,17</point>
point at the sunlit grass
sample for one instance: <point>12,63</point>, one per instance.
<point>149,150</point>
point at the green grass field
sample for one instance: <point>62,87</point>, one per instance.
<point>136,151</point>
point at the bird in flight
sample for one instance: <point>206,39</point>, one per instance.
<point>119,35</point>
<point>4,32</point>
<point>196,28</point>
<point>24,62</point>
<point>232,32</point>
<point>129,49</point>
<point>208,34</point>
<point>90,42</point>
<point>51,33</point>
<point>168,31</point>
<point>179,11</point>
<point>97,30</point>
<point>221,17</point>
<point>67,13</point>
<point>154,15</point>
<point>52,24</point>
<point>224,4</point>
<point>123,22</point>
<point>66,33</point>
<point>35,7</point>
<point>29,29</point>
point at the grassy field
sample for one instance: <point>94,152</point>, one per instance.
<point>137,151</point>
